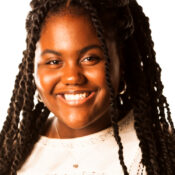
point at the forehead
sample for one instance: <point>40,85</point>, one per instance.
<point>68,28</point>
<point>67,20</point>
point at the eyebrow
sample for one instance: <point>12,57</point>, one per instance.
<point>82,51</point>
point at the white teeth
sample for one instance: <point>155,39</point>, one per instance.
<point>75,96</point>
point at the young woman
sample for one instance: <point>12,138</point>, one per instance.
<point>93,66</point>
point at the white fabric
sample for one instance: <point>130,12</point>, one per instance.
<point>95,154</point>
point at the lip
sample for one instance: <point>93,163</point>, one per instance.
<point>76,102</point>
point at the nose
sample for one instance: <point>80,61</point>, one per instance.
<point>73,76</point>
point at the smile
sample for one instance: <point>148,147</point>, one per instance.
<point>75,99</point>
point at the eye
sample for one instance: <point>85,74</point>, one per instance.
<point>54,62</point>
<point>91,60</point>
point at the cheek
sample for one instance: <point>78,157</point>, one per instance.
<point>97,76</point>
<point>46,79</point>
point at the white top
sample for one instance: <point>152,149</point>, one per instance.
<point>95,154</point>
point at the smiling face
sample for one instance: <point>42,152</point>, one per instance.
<point>70,72</point>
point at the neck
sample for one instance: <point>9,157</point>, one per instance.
<point>58,129</point>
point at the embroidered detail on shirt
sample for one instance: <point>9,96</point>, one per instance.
<point>78,173</point>
<point>79,142</point>
<point>75,165</point>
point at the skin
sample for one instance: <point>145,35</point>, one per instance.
<point>69,59</point>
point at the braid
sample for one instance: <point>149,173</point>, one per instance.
<point>12,119</point>
<point>157,101</point>
<point>7,123</point>
<point>140,100</point>
<point>28,117</point>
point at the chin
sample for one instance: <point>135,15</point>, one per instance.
<point>77,120</point>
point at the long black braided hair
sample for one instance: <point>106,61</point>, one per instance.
<point>152,117</point>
